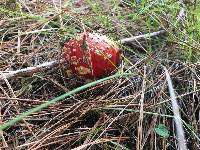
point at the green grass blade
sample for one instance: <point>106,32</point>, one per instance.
<point>53,101</point>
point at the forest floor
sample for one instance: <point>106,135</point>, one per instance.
<point>138,111</point>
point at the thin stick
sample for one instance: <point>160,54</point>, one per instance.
<point>29,71</point>
<point>52,64</point>
<point>140,122</point>
<point>177,116</point>
<point>139,37</point>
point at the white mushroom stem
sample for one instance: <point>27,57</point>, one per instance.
<point>50,65</point>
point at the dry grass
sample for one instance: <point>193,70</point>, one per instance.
<point>121,113</point>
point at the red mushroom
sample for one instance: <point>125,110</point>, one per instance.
<point>91,55</point>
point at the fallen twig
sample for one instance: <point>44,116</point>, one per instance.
<point>52,64</point>
<point>139,37</point>
<point>29,71</point>
<point>177,116</point>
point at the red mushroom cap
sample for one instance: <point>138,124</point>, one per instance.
<point>91,55</point>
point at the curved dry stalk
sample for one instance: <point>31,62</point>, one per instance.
<point>177,116</point>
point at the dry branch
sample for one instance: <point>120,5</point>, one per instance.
<point>29,71</point>
<point>50,65</point>
<point>140,37</point>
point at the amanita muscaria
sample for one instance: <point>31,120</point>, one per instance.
<point>91,55</point>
